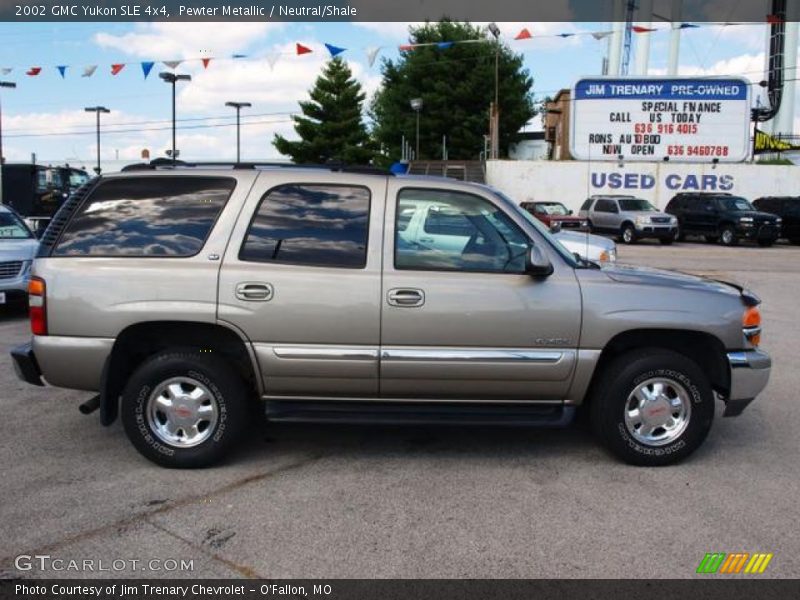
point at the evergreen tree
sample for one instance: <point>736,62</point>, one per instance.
<point>456,84</point>
<point>331,127</point>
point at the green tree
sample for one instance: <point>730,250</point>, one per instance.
<point>331,126</point>
<point>456,84</point>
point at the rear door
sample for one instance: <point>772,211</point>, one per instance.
<point>301,278</point>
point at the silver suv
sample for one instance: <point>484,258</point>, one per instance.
<point>628,217</point>
<point>190,298</point>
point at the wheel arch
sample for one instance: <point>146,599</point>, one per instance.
<point>137,342</point>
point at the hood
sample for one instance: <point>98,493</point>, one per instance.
<point>12,249</point>
<point>755,214</point>
<point>673,279</point>
<point>650,213</point>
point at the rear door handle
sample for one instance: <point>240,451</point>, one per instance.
<point>254,291</point>
<point>406,297</point>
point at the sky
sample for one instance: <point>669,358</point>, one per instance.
<point>45,114</point>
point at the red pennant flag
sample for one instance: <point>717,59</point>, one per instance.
<point>117,68</point>
<point>524,35</point>
<point>205,62</point>
<point>303,49</point>
<point>640,29</point>
<point>33,71</point>
<point>406,47</point>
<point>774,20</point>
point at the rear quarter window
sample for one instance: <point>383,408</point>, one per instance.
<point>146,216</point>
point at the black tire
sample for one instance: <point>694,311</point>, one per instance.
<point>679,235</point>
<point>727,236</point>
<point>666,241</point>
<point>613,393</point>
<point>795,241</point>
<point>226,391</point>
<point>628,234</point>
<point>766,243</point>
<point>712,239</point>
<point>589,226</point>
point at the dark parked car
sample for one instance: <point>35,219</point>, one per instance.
<point>555,213</point>
<point>724,218</point>
<point>788,209</point>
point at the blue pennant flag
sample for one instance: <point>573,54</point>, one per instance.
<point>444,45</point>
<point>146,68</point>
<point>565,35</point>
<point>688,26</point>
<point>63,70</point>
<point>238,55</point>
<point>334,50</point>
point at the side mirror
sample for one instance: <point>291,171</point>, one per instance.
<point>537,263</point>
<point>555,226</point>
<point>570,212</point>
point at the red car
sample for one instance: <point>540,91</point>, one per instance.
<point>555,213</point>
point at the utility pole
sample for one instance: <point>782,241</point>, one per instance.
<point>416,104</point>
<point>238,106</point>
<point>9,85</point>
<point>173,78</point>
<point>494,112</point>
<point>98,110</point>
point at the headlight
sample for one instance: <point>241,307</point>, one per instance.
<point>779,220</point>
<point>642,220</point>
<point>745,219</point>
<point>673,220</point>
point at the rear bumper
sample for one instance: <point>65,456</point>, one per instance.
<point>749,376</point>
<point>25,364</point>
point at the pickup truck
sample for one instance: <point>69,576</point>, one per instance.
<point>189,298</point>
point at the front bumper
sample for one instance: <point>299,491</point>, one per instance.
<point>25,364</point>
<point>763,232</point>
<point>656,231</point>
<point>750,371</point>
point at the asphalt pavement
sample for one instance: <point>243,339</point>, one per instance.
<point>408,502</point>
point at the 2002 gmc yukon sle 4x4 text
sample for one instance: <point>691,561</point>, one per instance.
<point>187,297</point>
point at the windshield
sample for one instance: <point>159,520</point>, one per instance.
<point>540,227</point>
<point>555,208</point>
<point>12,227</point>
<point>77,178</point>
<point>735,204</point>
<point>636,204</point>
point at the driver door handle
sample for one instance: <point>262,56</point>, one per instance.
<point>254,291</point>
<point>406,297</point>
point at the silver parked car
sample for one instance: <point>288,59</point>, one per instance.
<point>628,217</point>
<point>17,250</point>
<point>185,298</point>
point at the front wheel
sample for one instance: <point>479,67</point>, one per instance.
<point>652,407</point>
<point>184,409</point>
<point>727,236</point>
<point>628,234</point>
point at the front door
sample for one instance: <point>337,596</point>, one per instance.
<point>301,278</point>
<point>461,319</point>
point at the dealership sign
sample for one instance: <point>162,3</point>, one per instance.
<point>682,120</point>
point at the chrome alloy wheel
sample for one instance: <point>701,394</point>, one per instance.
<point>182,412</point>
<point>657,411</point>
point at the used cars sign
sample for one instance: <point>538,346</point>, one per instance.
<point>683,120</point>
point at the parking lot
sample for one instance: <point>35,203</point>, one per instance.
<point>335,501</point>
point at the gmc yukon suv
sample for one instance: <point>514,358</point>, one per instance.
<point>187,297</point>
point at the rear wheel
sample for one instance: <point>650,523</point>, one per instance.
<point>184,409</point>
<point>628,234</point>
<point>652,407</point>
<point>727,236</point>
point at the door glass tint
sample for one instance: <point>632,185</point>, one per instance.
<point>146,216</point>
<point>605,206</point>
<point>454,231</point>
<point>310,224</point>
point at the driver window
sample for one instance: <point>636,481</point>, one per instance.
<point>456,232</point>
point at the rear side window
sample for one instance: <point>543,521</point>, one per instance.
<point>605,206</point>
<point>310,224</point>
<point>146,216</point>
<point>587,204</point>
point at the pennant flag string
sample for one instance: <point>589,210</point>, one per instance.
<point>206,62</point>
<point>172,64</point>
<point>33,71</point>
<point>523,35</point>
<point>89,71</point>
<point>115,69</point>
<point>372,54</point>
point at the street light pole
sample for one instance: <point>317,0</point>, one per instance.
<point>416,104</point>
<point>238,106</point>
<point>10,85</point>
<point>172,79</point>
<point>495,129</point>
<point>98,110</point>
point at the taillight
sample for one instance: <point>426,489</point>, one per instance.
<point>751,325</point>
<point>37,302</point>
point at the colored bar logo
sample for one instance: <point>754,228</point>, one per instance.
<point>734,563</point>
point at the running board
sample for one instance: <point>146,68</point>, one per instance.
<point>416,413</point>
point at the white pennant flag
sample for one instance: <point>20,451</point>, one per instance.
<point>89,71</point>
<point>372,54</point>
<point>6,70</point>
<point>272,58</point>
<point>173,64</point>
<point>599,35</point>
